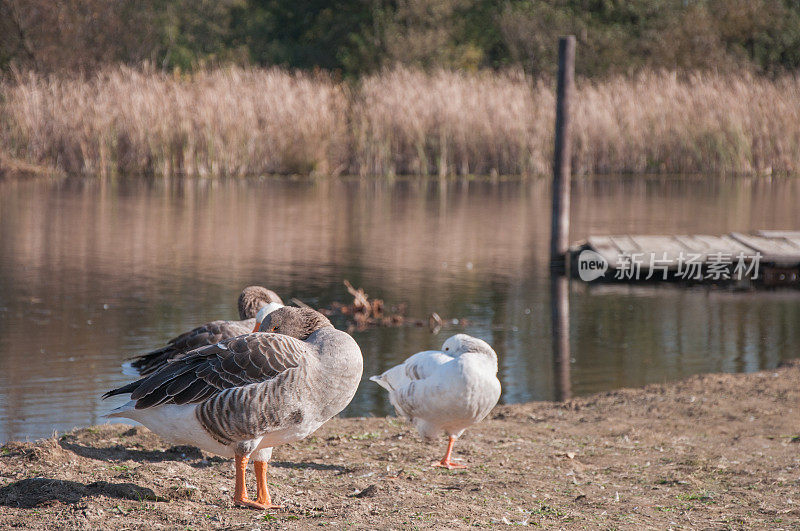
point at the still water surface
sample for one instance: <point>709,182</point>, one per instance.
<point>94,271</point>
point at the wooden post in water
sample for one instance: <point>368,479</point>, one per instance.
<point>559,234</point>
<point>559,322</point>
<point>562,170</point>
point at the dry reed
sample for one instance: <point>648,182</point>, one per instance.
<point>227,122</point>
<point>695,123</point>
<point>401,121</point>
<point>408,122</point>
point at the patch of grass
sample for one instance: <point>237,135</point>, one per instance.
<point>366,436</point>
<point>701,496</point>
<point>546,511</point>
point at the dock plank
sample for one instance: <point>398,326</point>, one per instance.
<point>706,245</point>
<point>663,250</point>
<point>625,244</point>
<point>792,237</point>
<point>605,247</point>
<point>795,234</point>
<point>772,249</point>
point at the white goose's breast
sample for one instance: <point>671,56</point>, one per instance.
<point>289,434</point>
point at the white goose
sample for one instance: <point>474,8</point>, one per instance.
<point>445,391</point>
<point>255,302</point>
<point>244,395</point>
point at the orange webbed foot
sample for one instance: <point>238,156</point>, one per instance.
<point>266,502</point>
<point>450,465</point>
<point>446,462</point>
<point>263,500</point>
<point>256,504</point>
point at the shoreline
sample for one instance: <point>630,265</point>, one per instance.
<point>713,450</point>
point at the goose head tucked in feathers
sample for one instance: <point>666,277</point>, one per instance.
<point>462,343</point>
<point>296,322</point>
<point>253,298</point>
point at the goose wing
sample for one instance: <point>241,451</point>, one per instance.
<point>402,380</point>
<point>207,334</point>
<point>423,364</point>
<point>208,371</point>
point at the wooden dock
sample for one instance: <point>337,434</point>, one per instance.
<point>765,258</point>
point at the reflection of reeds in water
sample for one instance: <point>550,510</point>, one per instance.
<point>236,122</point>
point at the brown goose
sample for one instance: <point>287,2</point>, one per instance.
<point>242,396</point>
<point>251,300</point>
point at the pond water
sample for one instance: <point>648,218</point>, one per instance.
<point>94,271</point>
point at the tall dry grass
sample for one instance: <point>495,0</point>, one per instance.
<point>664,122</point>
<point>237,122</point>
<point>229,122</point>
<point>409,122</point>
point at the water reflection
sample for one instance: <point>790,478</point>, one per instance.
<point>559,319</point>
<point>93,271</point>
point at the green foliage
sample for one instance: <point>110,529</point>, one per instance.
<point>311,34</point>
<point>619,36</point>
<point>356,37</point>
<point>194,32</point>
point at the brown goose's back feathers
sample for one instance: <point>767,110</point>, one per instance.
<point>250,301</point>
<point>205,372</point>
<point>207,334</point>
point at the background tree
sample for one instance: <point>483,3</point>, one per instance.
<point>360,36</point>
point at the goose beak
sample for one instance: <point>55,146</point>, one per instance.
<point>258,325</point>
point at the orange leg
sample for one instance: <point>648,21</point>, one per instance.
<point>262,495</point>
<point>446,462</point>
<point>240,492</point>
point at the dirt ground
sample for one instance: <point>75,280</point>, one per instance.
<point>715,451</point>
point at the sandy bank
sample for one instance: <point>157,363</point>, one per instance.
<point>718,451</point>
